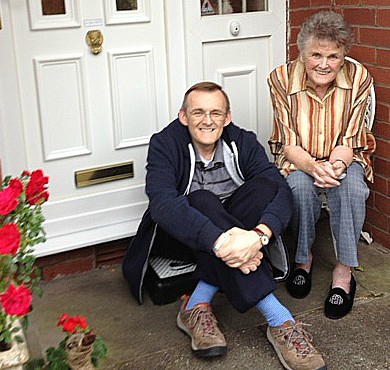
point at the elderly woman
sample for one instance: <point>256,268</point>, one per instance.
<point>320,143</point>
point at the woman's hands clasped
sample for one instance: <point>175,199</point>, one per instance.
<point>327,175</point>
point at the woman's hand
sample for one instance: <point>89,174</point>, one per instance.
<point>326,175</point>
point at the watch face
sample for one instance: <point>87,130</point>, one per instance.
<point>264,240</point>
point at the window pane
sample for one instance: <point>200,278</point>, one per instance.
<point>215,7</point>
<point>256,5</point>
<point>126,5</point>
<point>53,7</point>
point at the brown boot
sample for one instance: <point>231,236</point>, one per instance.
<point>201,325</point>
<point>293,347</point>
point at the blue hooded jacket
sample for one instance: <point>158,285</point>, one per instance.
<point>170,168</point>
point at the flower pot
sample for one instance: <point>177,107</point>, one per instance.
<point>79,347</point>
<point>17,355</point>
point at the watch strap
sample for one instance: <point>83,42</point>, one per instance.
<point>263,237</point>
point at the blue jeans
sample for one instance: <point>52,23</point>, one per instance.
<point>347,204</point>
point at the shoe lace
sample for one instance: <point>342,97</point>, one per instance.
<point>296,337</point>
<point>205,321</point>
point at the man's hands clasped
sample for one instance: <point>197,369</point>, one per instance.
<point>241,250</point>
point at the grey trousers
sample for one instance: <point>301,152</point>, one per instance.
<point>347,205</point>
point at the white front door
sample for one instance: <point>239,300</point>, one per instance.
<point>65,109</point>
<point>236,43</point>
<point>84,108</point>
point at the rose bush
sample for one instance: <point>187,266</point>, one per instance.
<point>21,229</point>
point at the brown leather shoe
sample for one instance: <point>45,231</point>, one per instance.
<point>292,344</point>
<point>200,324</point>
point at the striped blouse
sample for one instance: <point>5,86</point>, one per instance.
<point>319,125</point>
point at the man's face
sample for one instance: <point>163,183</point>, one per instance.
<point>323,61</point>
<point>205,116</point>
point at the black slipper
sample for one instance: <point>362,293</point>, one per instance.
<point>338,303</point>
<point>299,283</point>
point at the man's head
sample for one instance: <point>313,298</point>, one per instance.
<point>205,111</point>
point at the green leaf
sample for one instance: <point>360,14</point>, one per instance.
<point>99,351</point>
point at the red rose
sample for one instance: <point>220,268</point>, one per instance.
<point>16,301</point>
<point>17,186</point>
<point>9,239</point>
<point>9,196</point>
<point>36,191</point>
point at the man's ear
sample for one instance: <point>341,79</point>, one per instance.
<point>183,117</point>
<point>228,118</point>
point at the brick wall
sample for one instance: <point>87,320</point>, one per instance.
<point>83,259</point>
<point>370,20</point>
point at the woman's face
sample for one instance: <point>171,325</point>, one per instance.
<point>323,61</point>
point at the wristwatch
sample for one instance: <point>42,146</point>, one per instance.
<point>264,239</point>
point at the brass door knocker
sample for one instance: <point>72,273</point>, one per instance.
<point>94,39</point>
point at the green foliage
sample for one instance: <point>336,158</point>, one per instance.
<point>99,351</point>
<point>56,357</point>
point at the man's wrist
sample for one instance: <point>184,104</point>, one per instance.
<point>221,241</point>
<point>264,238</point>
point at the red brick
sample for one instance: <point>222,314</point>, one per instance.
<point>364,54</point>
<point>382,148</point>
<point>376,3</point>
<point>50,272</point>
<point>382,93</point>
<point>344,3</point>
<point>112,262</point>
<point>383,57</point>
<point>383,17</point>
<point>370,200</point>
<point>382,204</point>
<point>382,166</point>
<point>381,74</point>
<point>294,35</point>
<point>296,4</point>
<point>380,185</point>
<point>382,112</point>
<point>77,254</point>
<point>376,218</point>
<point>381,236</point>
<point>294,52</point>
<point>381,129</point>
<point>323,3</point>
<point>112,247</point>
<point>359,16</point>
<point>374,36</point>
<point>297,18</point>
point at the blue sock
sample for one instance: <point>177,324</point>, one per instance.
<point>273,311</point>
<point>203,292</point>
